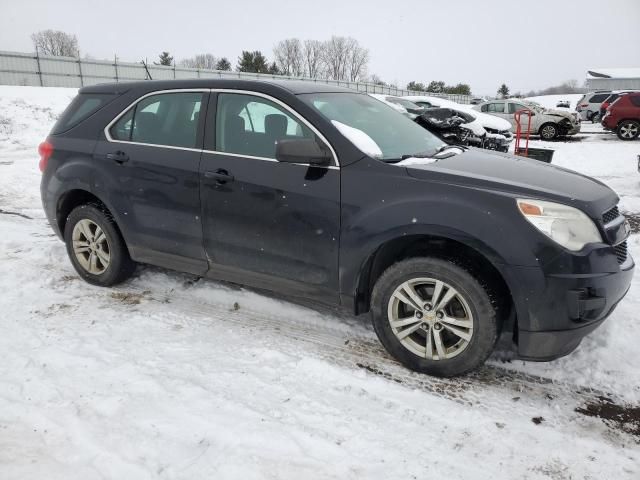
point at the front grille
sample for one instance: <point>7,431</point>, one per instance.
<point>610,215</point>
<point>621,252</point>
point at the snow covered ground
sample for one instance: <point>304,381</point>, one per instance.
<point>171,376</point>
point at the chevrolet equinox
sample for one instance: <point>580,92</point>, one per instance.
<point>324,193</point>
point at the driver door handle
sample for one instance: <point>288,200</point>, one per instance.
<point>220,176</point>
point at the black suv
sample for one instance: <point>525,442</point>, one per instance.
<point>328,194</point>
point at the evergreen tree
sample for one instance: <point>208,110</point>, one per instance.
<point>436,86</point>
<point>165,59</point>
<point>252,62</point>
<point>503,91</point>
<point>416,86</point>
<point>223,64</point>
<point>274,70</point>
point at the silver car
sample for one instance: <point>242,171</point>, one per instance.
<point>588,106</point>
<point>547,123</point>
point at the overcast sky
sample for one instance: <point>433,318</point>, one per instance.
<point>526,44</point>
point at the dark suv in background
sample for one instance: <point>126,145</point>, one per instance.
<point>328,194</point>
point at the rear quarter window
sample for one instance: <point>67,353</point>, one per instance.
<point>599,98</point>
<point>81,108</point>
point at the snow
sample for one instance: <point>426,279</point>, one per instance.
<point>550,101</point>
<point>615,72</point>
<point>360,139</point>
<point>169,376</point>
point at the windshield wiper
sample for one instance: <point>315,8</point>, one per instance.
<point>447,146</point>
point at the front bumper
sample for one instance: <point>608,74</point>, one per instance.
<point>559,309</point>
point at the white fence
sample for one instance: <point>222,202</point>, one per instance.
<point>44,71</point>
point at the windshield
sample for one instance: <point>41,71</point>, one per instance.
<point>374,127</point>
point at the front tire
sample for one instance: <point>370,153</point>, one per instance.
<point>548,131</point>
<point>628,130</point>
<point>434,316</point>
<point>96,247</point>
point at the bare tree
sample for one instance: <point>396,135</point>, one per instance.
<point>312,53</point>
<point>358,61</point>
<point>289,57</point>
<point>335,55</point>
<point>345,58</point>
<point>55,43</point>
<point>202,60</point>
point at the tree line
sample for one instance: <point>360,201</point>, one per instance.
<point>338,58</point>
<point>438,86</point>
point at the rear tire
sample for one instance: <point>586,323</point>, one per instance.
<point>628,130</point>
<point>596,117</point>
<point>96,247</point>
<point>454,328</point>
<point>548,131</point>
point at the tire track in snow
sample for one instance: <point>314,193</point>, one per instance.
<point>493,389</point>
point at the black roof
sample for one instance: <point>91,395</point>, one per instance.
<point>291,86</point>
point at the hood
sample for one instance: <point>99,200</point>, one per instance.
<point>488,170</point>
<point>561,113</point>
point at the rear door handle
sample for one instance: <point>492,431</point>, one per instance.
<point>119,156</point>
<point>220,176</point>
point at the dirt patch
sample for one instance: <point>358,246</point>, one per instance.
<point>128,298</point>
<point>625,418</point>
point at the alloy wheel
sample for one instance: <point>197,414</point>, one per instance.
<point>548,132</point>
<point>91,247</point>
<point>628,130</point>
<point>430,318</point>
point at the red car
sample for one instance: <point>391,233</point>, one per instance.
<point>623,116</point>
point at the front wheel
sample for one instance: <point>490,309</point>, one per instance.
<point>96,248</point>
<point>628,130</point>
<point>434,316</point>
<point>548,131</point>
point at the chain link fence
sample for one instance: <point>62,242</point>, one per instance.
<point>44,71</point>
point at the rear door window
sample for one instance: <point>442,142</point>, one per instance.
<point>635,100</point>
<point>497,107</point>
<point>169,119</point>
<point>514,107</point>
<point>82,107</point>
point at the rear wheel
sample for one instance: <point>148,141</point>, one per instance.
<point>548,131</point>
<point>628,130</point>
<point>434,316</point>
<point>96,248</point>
<point>596,117</point>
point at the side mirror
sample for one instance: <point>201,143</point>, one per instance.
<point>302,150</point>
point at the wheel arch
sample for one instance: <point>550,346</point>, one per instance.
<point>76,197</point>
<point>477,258</point>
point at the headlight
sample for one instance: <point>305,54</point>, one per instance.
<point>565,225</point>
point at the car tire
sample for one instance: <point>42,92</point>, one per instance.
<point>96,247</point>
<point>628,130</point>
<point>549,131</point>
<point>451,333</point>
<point>596,117</point>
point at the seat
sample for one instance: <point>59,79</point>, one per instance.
<point>234,135</point>
<point>146,128</point>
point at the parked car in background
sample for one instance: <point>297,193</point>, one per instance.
<point>325,193</point>
<point>411,108</point>
<point>478,100</point>
<point>397,107</point>
<point>563,104</point>
<point>547,123</point>
<point>589,104</point>
<point>623,116</point>
<point>493,125</point>
<point>610,99</point>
